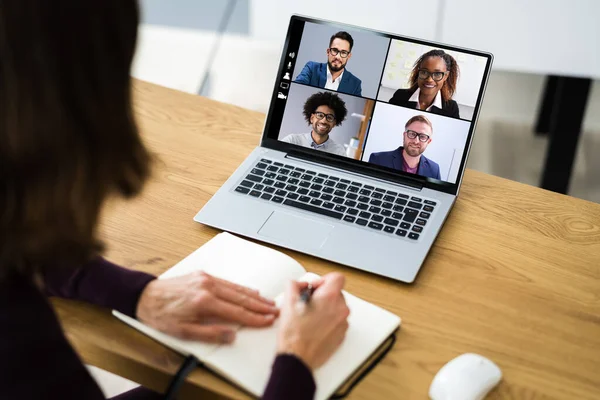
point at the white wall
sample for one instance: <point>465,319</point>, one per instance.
<point>447,145</point>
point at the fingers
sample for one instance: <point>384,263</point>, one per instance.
<point>242,289</point>
<point>331,283</point>
<point>242,298</point>
<point>205,333</point>
<point>235,313</point>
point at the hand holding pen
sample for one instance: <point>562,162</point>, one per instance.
<point>313,333</point>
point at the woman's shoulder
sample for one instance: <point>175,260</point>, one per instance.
<point>401,96</point>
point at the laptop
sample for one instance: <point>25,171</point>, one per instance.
<point>363,149</point>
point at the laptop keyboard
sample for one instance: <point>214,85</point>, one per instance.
<point>390,212</point>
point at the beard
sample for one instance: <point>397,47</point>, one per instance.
<point>336,69</point>
<point>413,152</point>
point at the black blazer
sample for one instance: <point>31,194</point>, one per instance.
<point>400,98</point>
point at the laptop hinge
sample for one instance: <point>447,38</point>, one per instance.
<point>361,171</point>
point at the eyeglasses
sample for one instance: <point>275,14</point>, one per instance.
<point>335,52</point>
<point>412,135</point>
<point>328,117</point>
<point>437,76</point>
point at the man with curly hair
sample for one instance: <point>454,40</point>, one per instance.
<point>323,111</point>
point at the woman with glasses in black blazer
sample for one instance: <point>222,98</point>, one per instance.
<point>432,85</point>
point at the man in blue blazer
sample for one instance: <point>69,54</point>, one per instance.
<point>418,132</point>
<point>333,74</point>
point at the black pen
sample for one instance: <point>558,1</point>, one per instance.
<point>306,293</point>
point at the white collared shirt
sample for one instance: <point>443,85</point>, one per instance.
<point>436,102</point>
<point>331,84</point>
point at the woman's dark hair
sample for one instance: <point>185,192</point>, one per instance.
<point>344,36</point>
<point>449,86</point>
<point>328,99</point>
<point>68,137</point>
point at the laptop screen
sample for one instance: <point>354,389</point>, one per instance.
<point>402,105</point>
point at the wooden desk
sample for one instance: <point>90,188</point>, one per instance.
<point>514,275</point>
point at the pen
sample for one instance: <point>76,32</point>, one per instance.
<point>306,293</point>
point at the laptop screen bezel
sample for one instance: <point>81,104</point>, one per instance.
<point>276,110</point>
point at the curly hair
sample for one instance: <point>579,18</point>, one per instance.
<point>328,99</point>
<point>449,86</point>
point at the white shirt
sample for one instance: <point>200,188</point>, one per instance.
<point>306,140</point>
<point>331,84</point>
<point>436,102</point>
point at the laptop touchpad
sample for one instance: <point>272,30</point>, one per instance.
<point>297,231</point>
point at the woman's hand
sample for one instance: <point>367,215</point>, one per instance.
<point>313,331</point>
<point>199,306</point>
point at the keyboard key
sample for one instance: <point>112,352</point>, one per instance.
<point>280,192</point>
<point>387,206</point>
<point>401,232</point>
<point>350,203</point>
<point>311,172</point>
<point>292,196</point>
<point>334,178</point>
<point>364,199</point>
<point>338,200</point>
<point>431,203</point>
<point>261,165</point>
<point>328,205</point>
<point>404,196</point>
<point>281,178</point>
<point>279,185</point>
<point>387,197</point>
<point>428,208</point>
<point>375,202</point>
<point>377,195</point>
<point>341,185</point>
<point>340,193</point>
<point>258,186</point>
<point>356,184</point>
<point>326,196</point>
<point>318,180</point>
<point>368,187</point>
<point>413,236</point>
<point>268,182</point>
<point>289,166</point>
<point>353,189</point>
<point>414,204</point>
<point>380,190</point>
<point>374,209</point>
<point>300,169</point>
<point>304,184</point>
<point>376,225</point>
<point>424,214</point>
<point>352,211</point>
<point>278,164</point>
<point>417,228</point>
<point>386,213</point>
<point>254,178</point>
<point>365,192</point>
<point>277,199</point>
<point>315,193</point>
<point>349,218</point>
<point>302,191</point>
<point>392,193</point>
<point>389,229</point>
<point>269,189</point>
<point>410,214</point>
<point>400,201</point>
<point>414,198</point>
<point>405,225</point>
<point>306,177</point>
<point>295,174</point>
<point>351,196</point>
<point>345,181</point>
<point>362,206</point>
<point>284,171</point>
<point>340,208</point>
<point>323,176</point>
<point>397,215</point>
<point>258,172</point>
<point>362,222</point>
<point>254,193</point>
<point>304,199</point>
<point>398,208</point>
<point>270,175</point>
<point>316,202</point>
<point>266,196</point>
<point>266,161</point>
<point>420,221</point>
<point>328,190</point>
<point>272,168</point>
<point>293,181</point>
<point>365,215</point>
<point>377,218</point>
<point>390,221</point>
<point>241,189</point>
<point>329,183</point>
<point>291,188</point>
<point>246,184</point>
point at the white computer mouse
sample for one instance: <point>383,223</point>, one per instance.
<point>466,377</point>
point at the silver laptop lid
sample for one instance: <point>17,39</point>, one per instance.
<point>384,105</point>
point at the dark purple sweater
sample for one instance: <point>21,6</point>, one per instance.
<point>37,361</point>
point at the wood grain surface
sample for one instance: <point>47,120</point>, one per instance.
<point>514,274</point>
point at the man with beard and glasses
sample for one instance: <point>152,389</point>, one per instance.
<point>323,111</point>
<point>409,157</point>
<point>333,75</point>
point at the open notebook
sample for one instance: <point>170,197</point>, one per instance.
<point>247,362</point>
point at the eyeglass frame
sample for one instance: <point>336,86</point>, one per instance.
<point>417,134</point>
<point>335,51</point>
<point>315,113</point>
<point>430,74</point>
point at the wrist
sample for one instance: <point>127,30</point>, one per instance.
<point>144,304</point>
<point>296,349</point>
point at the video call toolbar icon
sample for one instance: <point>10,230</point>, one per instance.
<point>281,96</point>
<point>292,55</point>
<point>289,65</point>
<point>284,85</point>
<point>287,76</point>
